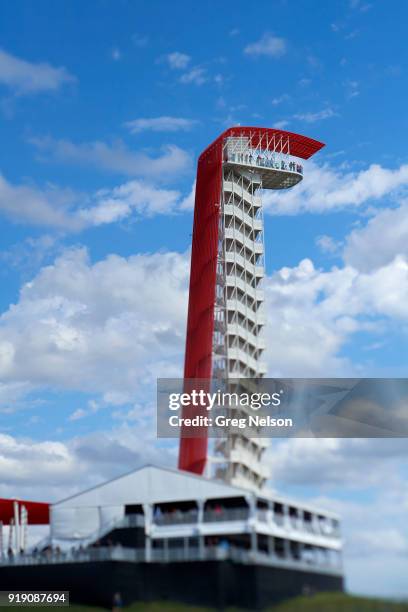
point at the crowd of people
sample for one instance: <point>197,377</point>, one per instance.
<point>266,161</point>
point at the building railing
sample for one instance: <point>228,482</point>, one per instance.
<point>176,517</point>
<point>226,514</point>
<point>172,555</point>
<point>242,514</point>
<point>262,161</point>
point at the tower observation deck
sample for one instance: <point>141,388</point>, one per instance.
<point>225,315</point>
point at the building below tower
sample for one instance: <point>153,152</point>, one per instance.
<point>161,534</point>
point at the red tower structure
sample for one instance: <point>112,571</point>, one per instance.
<point>227,257</point>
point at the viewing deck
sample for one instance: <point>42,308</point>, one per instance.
<point>276,171</point>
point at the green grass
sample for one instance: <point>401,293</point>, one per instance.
<point>323,602</point>
<point>338,602</point>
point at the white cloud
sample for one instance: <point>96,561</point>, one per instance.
<point>197,76</point>
<point>324,188</point>
<point>280,99</point>
<point>161,124</point>
<point>188,202</point>
<point>31,253</point>
<point>50,470</point>
<point>69,212</point>
<point>335,462</point>
<point>177,60</point>
<point>80,413</point>
<point>327,244</point>
<point>312,314</point>
<point>50,206</point>
<point>23,77</point>
<point>268,45</point>
<point>281,125</point>
<point>325,113</point>
<point>115,157</point>
<point>107,328</point>
<point>133,197</point>
<point>377,243</point>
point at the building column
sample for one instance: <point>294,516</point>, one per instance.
<point>286,520</point>
<point>302,525</point>
<point>286,548</point>
<point>251,500</point>
<point>270,512</point>
<point>200,521</point>
<point>254,541</point>
<point>271,546</point>
<point>148,512</point>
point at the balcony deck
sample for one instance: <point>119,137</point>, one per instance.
<point>276,175</point>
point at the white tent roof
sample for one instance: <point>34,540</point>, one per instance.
<point>151,484</point>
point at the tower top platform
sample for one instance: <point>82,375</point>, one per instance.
<point>269,139</point>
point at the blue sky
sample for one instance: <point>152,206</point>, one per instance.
<point>104,110</point>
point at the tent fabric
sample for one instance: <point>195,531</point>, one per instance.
<point>74,523</point>
<point>150,484</point>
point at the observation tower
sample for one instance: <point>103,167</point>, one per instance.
<point>225,313</point>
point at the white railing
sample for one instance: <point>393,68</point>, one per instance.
<point>250,221</point>
<point>223,514</point>
<point>176,518</point>
<point>248,158</point>
<point>222,552</point>
<point>240,191</point>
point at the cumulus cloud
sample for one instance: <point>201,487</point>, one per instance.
<point>161,124</point>
<point>24,77</point>
<point>268,45</point>
<point>327,189</point>
<point>329,463</point>
<point>50,206</point>
<point>311,314</point>
<point>188,202</point>
<point>116,157</point>
<point>104,327</point>
<point>327,244</point>
<point>380,240</point>
<point>51,470</point>
<point>70,212</point>
<point>131,198</point>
